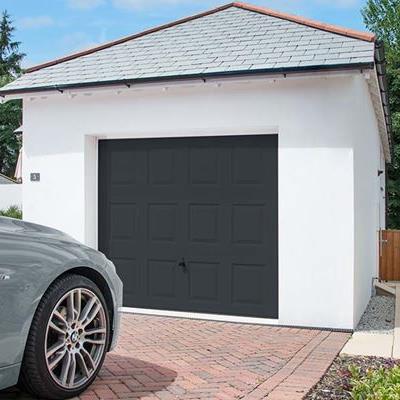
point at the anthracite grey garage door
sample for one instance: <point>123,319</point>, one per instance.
<point>192,224</point>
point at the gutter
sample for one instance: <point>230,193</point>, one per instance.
<point>201,76</point>
<point>380,61</point>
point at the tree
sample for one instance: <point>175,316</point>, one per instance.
<point>383,18</point>
<point>10,112</point>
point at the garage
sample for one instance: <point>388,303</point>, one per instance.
<point>192,223</point>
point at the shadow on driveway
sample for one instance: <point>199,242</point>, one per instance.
<point>121,374</point>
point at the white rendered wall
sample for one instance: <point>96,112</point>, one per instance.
<point>316,126</point>
<point>369,199</point>
<point>10,195</point>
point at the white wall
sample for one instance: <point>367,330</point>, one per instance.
<point>369,199</point>
<point>10,195</point>
<point>316,126</point>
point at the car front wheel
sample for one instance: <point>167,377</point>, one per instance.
<point>67,341</point>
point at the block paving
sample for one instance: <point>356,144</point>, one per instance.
<point>160,358</point>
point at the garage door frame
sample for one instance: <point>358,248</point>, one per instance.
<point>198,133</point>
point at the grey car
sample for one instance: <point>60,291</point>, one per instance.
<point>59,303</point>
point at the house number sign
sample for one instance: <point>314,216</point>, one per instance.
<point>35,177</point>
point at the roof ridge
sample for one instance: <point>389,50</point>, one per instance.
<point>365,36</point>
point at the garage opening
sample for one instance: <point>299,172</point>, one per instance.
<point>192,223</point>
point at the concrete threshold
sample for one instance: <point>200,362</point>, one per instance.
<point>387,287</point>
<point>378,344</point>
<point>369,344</point>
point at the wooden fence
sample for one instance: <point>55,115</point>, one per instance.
<point>389,265</point>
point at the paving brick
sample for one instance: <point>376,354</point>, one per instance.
<point>168,358</point>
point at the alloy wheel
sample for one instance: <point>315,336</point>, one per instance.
<point>76,338</point>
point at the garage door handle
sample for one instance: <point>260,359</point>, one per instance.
<point>182,264</point>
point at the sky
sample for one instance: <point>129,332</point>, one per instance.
<point>48,29</point>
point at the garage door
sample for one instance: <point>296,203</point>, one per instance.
<point>192,224</point>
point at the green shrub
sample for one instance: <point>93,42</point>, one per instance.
<point>381,384</point>
<point>12,212</point>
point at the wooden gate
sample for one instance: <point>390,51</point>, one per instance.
<point>389,265</point>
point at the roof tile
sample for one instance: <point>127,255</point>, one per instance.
<point>231,38</point>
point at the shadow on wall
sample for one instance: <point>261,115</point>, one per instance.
<point>134,375</point>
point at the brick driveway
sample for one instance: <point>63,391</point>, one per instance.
<point>168,358</point>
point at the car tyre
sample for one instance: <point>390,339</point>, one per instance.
<point>67,341</point>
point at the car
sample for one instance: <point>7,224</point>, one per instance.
<point>60,307</point>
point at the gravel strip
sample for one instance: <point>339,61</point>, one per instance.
<point>335,385</point>
<point>379,316</point>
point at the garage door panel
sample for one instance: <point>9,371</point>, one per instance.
<point>161,278</point>
<point>248,223</point>
<point>204,166</point>
<point>122,248</point>
<point>120,194</point>
<point>248,166</point>
<point>129,273</point>
<point>162,167</point>
<point>127,167</point>
<point>123,221</point>
<point>123,167</point>
<point>162,222</point>
<point>249,295</point>
<point>248,284</point>
<point>203,224</point>
<point>208,202</point>
<point>204,281</point>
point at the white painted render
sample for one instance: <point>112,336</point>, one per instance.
<point>369,200</point>
<point>327,229</point>
<point>10,195</point>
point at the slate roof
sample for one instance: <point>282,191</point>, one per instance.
<point>235,38</point>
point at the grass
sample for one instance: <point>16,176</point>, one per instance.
<point>12,212</point>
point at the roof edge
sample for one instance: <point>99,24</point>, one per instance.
<point>8,178</point>
<point>202,76</point>
<point>365,36</point>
